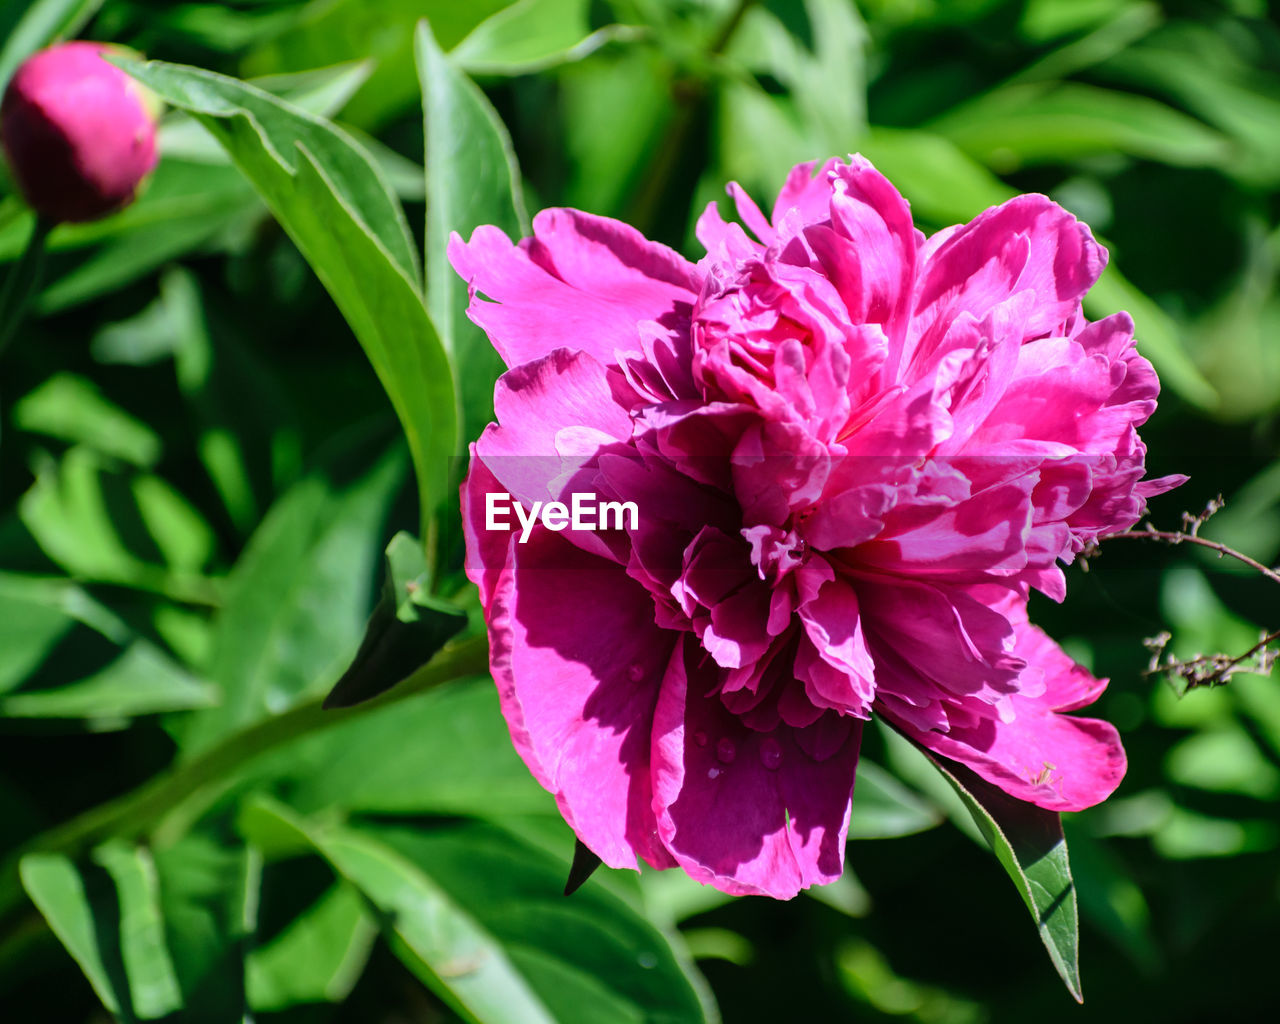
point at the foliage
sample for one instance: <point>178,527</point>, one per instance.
<point>234,394</point>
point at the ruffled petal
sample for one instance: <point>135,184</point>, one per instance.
<point>581,282</point>
<point>1054,760</point>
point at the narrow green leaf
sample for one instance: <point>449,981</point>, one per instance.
<point>71,408</point>
<point>154,933</point>
<point>322,91</point>
<point>95,521</point>
<point>209,893</point>
<point>297,599</point>
<point>482,918</point>
<point>26,27</point>
<point>58,891</point>
<point>471,179</point>
<point>590,958</point>
<point>330,197</point>
<point>445,946</point>
<point>533,35</point>
<point>29,632</point>
<point>1028,842</point>
<point>402,634</point>
<point>318,957</point>
<point>142,681</point>
<point>153,984</point>
<point>452,755</point>
<point>329,31</point>
<point>104,670</point>
<point>1021,125</point>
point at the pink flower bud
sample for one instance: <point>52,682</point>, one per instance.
<point>79,133</point>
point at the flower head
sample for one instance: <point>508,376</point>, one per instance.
<point>853,451</point>
<point>79,133</point>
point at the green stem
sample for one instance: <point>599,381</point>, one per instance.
<point>132,814</point>
<point>23,282</point>
<point>690,95</point>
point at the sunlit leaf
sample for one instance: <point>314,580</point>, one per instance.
<point>532,35</point>
<point>73,409</point>
<point>328,195</point>
<point>296,602</point>
<point>1028,842</point>
<point>472,179</point>
<point>318,957</point>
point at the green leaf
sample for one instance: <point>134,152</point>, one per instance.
<point>441,943</point>
<point>1217,75</point>
<point>404,631</point>
<point>817,54</point>
<point>1028,842</point>
<point>483,920</point>
<point>26,27</point>
<point>533,35</point>
<point>58,890</point>
<point>209,894</point>
<point>329,31</point>
<point>141,681</point>
<point>102,671</point>
<point>589,957</point>
<point>318,957</point>
<point>153,984</point>
<point>72,409</point>
<point>472,179</point>
<point>30,629</point>
<point>330,197</point>
<point>321,91</point>
<point>297,599</point>
<point>1021,125</point>
<point>113,527</point>
<point>445,752</point>
<point>883,808</point>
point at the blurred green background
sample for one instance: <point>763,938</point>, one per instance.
<point>199,471</point>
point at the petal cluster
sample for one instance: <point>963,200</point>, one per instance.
<point>852,451</point>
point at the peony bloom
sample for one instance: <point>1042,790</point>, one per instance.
<point>79,133</point>
<point>853,451</point>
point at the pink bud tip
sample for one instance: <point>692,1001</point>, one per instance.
<point>78,133</point>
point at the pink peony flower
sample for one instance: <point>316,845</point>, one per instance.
<point>853,451</point>
<point>79,133</point>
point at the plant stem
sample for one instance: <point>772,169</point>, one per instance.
<point>690,95</point>
<point>23,282</point>
<point>130,815</point>
<point>1175,537</point>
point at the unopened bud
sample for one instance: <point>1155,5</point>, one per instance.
<point>79,133</point>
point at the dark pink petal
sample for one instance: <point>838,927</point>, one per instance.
<point>1053,760</point>
<point>578,662</point>
<point>745,811</point>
